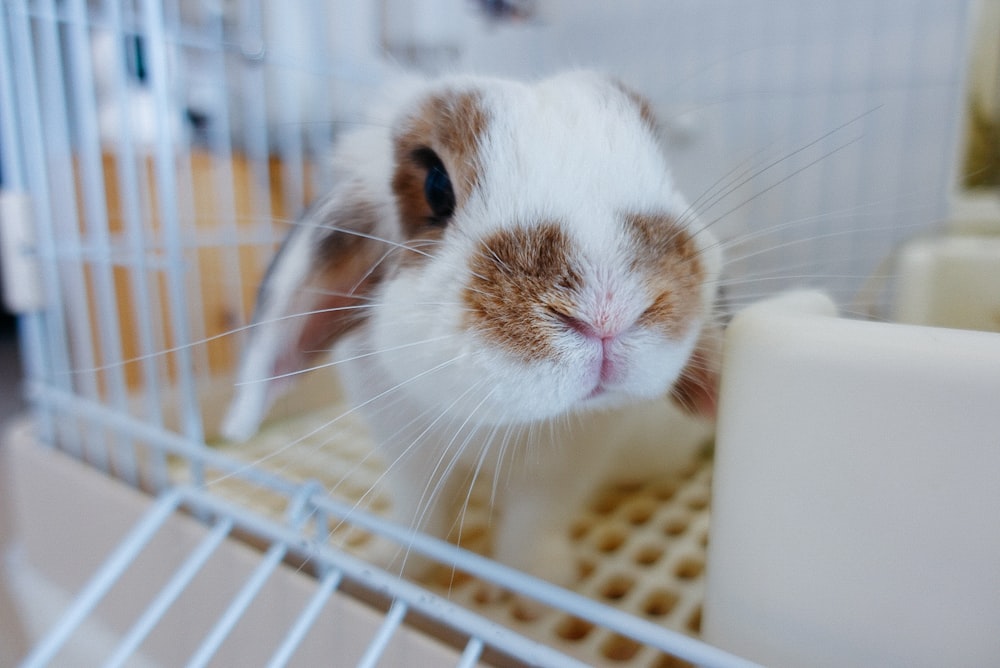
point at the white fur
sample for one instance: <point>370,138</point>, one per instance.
<point>440,398</point>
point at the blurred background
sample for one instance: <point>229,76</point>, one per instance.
<point>791,122</point>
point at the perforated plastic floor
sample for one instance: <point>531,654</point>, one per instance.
<point>638,547</point>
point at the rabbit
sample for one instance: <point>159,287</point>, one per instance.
<point>512,287</point>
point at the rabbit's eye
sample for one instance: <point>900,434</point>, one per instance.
<point>438,192</point>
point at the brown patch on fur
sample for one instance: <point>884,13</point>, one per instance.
<point>668,257</point>
<point>643,105</point>
<point>346,268</point>
<point>697,388</point>
<point>450,124</point>
<point>522,283</point>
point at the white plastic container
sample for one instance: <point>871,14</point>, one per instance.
<point>950,281</point>
<point>856,511</point>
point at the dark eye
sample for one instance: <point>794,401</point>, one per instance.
<point>437,189</point>
<point>440,196</point>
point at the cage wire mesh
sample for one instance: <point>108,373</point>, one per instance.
<point>158,151</point>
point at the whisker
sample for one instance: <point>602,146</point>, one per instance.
<point>344,360</point>
<point>353,409</point>
<point>442,477</point>
<point>216,337</point>
<point>742,173</point>
<point>788,157</point>
<point>781,181</point>
<point>363,235</point>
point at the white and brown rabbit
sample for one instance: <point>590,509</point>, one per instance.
<point>514,287</point>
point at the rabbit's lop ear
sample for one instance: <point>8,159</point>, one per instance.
<point>316,289</point>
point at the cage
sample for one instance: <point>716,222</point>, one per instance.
<point>153,156</point>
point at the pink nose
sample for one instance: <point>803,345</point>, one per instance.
<point>606,335</point>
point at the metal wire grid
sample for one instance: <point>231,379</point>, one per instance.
<point>308,505</point>
<point>79,338</point>
<point>837,121</point>
<point>61,336</point>
<point>115,205</point>
<point>335,566</point>
<point>75,353</point>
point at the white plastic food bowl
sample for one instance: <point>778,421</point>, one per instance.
<point>856,509</point>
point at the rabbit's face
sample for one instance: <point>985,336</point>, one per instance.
<point>511,252</point>
<point>554,268</point>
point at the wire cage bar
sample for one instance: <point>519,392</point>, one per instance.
<point>154,154</point>
<point>309,501</point>
<point>336,566</point>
